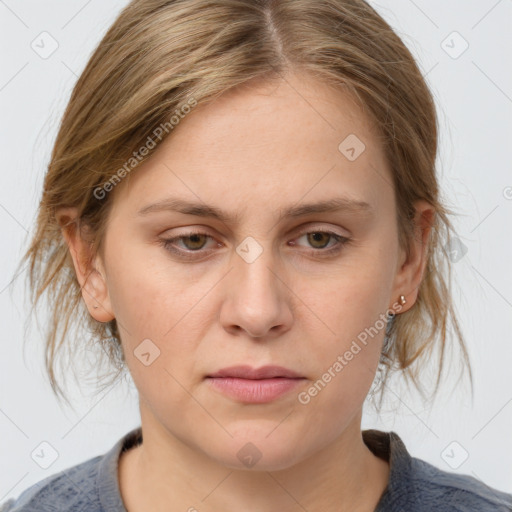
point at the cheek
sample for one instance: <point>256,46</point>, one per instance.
<point>154,298</point>
<point>346,303</point>
<point>335,398</point>
<point>346,372</point>
<point>346,336</point>
<point>153,301</point>
<point>148,294</point>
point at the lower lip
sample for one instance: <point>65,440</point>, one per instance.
<point>256,391</point>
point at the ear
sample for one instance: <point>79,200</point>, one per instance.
<point>88,266</point>
<point>411,268</point>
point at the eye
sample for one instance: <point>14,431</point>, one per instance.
<point>319,239</point>
<point>194,242</point>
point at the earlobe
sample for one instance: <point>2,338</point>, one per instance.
<point>95,295</point>
<point>411,272</point>
<point>88,267</point>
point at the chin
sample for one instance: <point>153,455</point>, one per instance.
<point>259,452</point>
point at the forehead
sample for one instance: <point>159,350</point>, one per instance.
<point>259,117</point>
<point>267,142</point>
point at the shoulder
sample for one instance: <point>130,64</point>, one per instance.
<point>453,491</point>
<point>91,486</point>
<point>416,485</point>
<point>71,489</point>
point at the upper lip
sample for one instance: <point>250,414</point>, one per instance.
<point>264,372</point>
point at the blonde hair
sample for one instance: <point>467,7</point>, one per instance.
<point>160,55</point>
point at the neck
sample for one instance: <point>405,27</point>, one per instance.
<point>344,475</point>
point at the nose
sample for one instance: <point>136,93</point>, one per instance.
<point>257,298</point>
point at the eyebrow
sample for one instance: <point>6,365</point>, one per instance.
<point>203,210</point>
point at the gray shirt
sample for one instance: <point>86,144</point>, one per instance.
<point>414,485</point>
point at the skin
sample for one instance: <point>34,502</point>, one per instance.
<point>252,152</point>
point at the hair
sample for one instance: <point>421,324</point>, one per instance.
<point>159,57</point>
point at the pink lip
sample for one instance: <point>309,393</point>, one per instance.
<point>247,372</point>
<point>251,385</point>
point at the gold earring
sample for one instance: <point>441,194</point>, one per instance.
<point>402,300</point>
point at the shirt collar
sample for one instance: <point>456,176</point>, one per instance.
<point>386,445</point>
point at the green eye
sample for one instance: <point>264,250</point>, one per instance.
<point>194,242</point>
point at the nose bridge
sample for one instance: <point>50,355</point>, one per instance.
<point>256,295</point>
<point>254,269</point>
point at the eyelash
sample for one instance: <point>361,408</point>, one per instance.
<point>341,241</point>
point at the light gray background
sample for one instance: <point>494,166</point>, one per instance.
<point>474,96</point>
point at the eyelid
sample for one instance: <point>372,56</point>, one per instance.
<point>301,231</point>
<point>202,254</point>
<point>321,227</point>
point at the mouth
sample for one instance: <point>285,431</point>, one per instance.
<point>254,385</point>
<point>264,372</point>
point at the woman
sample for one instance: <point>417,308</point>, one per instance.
<point>242,205</point>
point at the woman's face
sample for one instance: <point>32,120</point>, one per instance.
<point>260,287</point>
